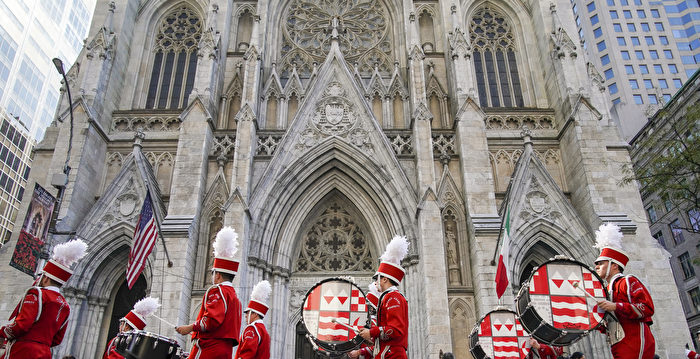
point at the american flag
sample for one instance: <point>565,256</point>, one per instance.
<point>145,236</point>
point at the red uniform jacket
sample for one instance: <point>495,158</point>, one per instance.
<point>218,323</point>
<point>634,309</point>
<point>693,355</point>
<point>391,332</point>
<point>547,352</point>
<point>254,343</point>
<point>111,352</point>
<point>38,323</point>
<point>367,349</point>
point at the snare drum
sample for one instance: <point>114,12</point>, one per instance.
<point>499,335</point>
<point>553,309</point>
<point>335,299</point>
<point>144,345</point>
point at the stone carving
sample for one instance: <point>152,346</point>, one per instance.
<point>181,30</point>
<point>452,252</point>
<point>561,41</point>
<point>534,120</point>
<point>459,46</point>
<point>130,122</point>
<point>538,204</point>
<point>335,116</point>
<point>503,161</point>
<point>101,45</point>
<point>443,144</point>
<point>361,27</point>
<point>267,144</point>
<point>124,208</point>
<point>402,144</point>
<point>595,76</point>
<point>223,145</point>
<point>334,243</point>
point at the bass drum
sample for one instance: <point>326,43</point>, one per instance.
<point>552,304</point>
<point>328,304</point>
<point>499,335</point>
<point>140,344</point>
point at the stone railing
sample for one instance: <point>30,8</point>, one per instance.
<point>444,144</point>
<point>223,145</point>
<point>518,119</point>
<point>147,121</point>
<point>268,142</point>
<point>401,142</point>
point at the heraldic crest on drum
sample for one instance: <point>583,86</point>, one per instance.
<point>335,116</point>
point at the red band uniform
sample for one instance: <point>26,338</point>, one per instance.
<point>634,311</point>
<point>135,319</point>
<point>215,332</point>
<point>255,341</point>
<point>547,352</point>
<point>372,300</point>
<point>691,354</point>
<point>39,324</point>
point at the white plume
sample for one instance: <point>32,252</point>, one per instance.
<point>372,287</point>
<point>69,252</point>
<point>608,235</point>
<point>146,306</point>
<point>226,243</point>
<point>261,291</point>
<point>396,250</point>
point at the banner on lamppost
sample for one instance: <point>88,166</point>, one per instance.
<point>34,231</point>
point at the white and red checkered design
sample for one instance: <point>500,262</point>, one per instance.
<point>593,287</point>
<point>358,302</point>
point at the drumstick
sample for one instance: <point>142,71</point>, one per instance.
<point>575,285</point>
<point>345,325</point>
<point>164,321</point>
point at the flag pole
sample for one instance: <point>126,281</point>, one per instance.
<point>503,214</point>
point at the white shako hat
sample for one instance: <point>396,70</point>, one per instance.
<point>144,308</point>
<point>608,239</point>
<point>390,265</point>
<point>259,298</point>
<point>64,256</point>
<point>225,248</point>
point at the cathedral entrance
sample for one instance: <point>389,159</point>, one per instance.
<point>334,242</point>
<point>124,301</point>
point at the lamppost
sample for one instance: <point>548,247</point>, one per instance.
<point>60,180</point>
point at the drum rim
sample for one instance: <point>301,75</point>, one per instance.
<point>322,343</point>
<point>524,292</point>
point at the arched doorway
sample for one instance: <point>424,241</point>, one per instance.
<point>124,301</point>
<point>303,349</point>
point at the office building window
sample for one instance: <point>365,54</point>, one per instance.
<point>660,238</point>
<point>668,54</point>
<point>634,84</point>
<point>677,83</point>
<point>668,206</point>
<point>641,14</point>
<point>616,101</point>
<point>594,19</point>
<point>627,14</point>
<point>639,54</point>
<point>659,26</point>
<point>597,32</point>
<point>663,84</point>
<point>645,27</point>
<point>663,40</point>
<point>591,6</point>
<point>672,69</point>
<point>617,27</point>
<point>611,2</point>
<point>649,40</point>
<point>667,97</point>
<point>655,13</point>
<point>609,73</point>
<point>653,100</point>
<point>638,99</point>
<point>686,265</point>
<point>631,27</point>
<point>613,14</point>
<point>658,69</point>
<point>695,298</point>
<point>653,54</point>
<point>643,69</point>
<point>694,219</point>
<point>676,231</point>
<point>638,2</point>
<point>625,55</point>
<point>629,69</point>
<point>601,46</point>
<point>624,2</point>
<point>621,41</point>
<point>613,88</point>
<point>651,213</point>
<point>604,60</point>
<point>635,41</point>
<point>648,84</point>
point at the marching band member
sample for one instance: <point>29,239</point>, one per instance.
<point>365,351</point>
<point>691,354</point>
<point>390,335</point>
<point>40,319</point>
<point>544,351</point>
<point>631,303</point>
<point>215,332</point>
<point>134,320</point>
<point>255,341</point>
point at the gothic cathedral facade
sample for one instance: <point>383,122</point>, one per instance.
<point>318,129</point>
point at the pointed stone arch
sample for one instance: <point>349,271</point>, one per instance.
<point>455,232</point>
<point>462,320</point>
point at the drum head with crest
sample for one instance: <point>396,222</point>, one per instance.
<point>552,304</point>
<point>339,299</point>
<point>499,335</point>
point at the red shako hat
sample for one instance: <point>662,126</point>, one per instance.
<point>64,255</point>
<point>225,248</point>
<point>609,240</point>
<point>390,265</point>
<point>144,308</point>
<point>259,298</point>
<point>373,295</point>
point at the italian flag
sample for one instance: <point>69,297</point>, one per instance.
<point>502,271</point>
